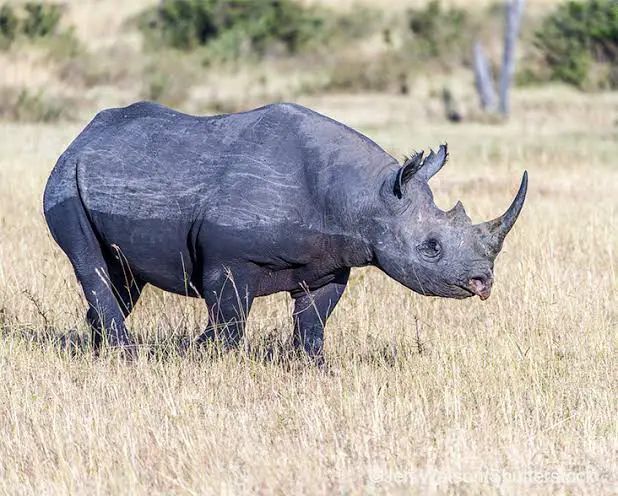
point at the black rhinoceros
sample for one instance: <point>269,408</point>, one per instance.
<point>236,206</point>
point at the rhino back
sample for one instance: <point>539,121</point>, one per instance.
<point>263,166</point>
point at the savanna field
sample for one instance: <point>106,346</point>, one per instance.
<point>514,395</point>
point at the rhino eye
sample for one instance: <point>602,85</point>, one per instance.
<point>430,249</point>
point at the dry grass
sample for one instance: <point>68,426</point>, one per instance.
<point>514,395</point>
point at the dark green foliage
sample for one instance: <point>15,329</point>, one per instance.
<point>189,24</point>
<point>578,35</point>
<point>32,20</point>
<point>42,19</point>
<point>184,24</point>
<point>439,32</point>
<point>9,25</point>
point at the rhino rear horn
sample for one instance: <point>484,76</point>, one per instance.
<point>494,231</point>
<point>458,214</point>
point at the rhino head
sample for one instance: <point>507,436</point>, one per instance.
<point>433,252</point>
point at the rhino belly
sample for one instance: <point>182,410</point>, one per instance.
<point>156,250</point>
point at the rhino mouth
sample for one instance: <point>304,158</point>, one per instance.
<point>483,292</point>
<point>462,292</point>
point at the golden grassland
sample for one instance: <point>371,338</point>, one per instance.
<point>514,395</point>
<point>517,394</point>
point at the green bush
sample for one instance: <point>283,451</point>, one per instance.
<point>32,20</point>
<point>439,33</point>
<point>577,37</point>
<point>262,24</point>
<point>9,25</point>
<point>42,19</point>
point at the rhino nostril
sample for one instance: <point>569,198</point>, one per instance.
<point>483,278</point>
<point>480,285</point>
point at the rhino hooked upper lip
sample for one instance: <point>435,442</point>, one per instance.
<point>480,287</point>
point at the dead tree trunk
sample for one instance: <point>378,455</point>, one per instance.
<point>514,10</point>
<point>484,81</point>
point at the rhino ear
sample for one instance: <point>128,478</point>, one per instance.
<point>423,169</point>
<point>409,168</point>
<point>433,163</point>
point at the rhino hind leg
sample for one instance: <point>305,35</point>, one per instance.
<point>311,311</point>
<point>105,321</point>
<point>109,295</point>
<point>228,294</point>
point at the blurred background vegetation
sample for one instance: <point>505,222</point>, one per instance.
<point>66,60</point>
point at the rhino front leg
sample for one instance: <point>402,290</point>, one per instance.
<point>311,311</point>
<point>228,294</point>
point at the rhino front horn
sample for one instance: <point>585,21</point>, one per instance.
<point>494,231</point>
